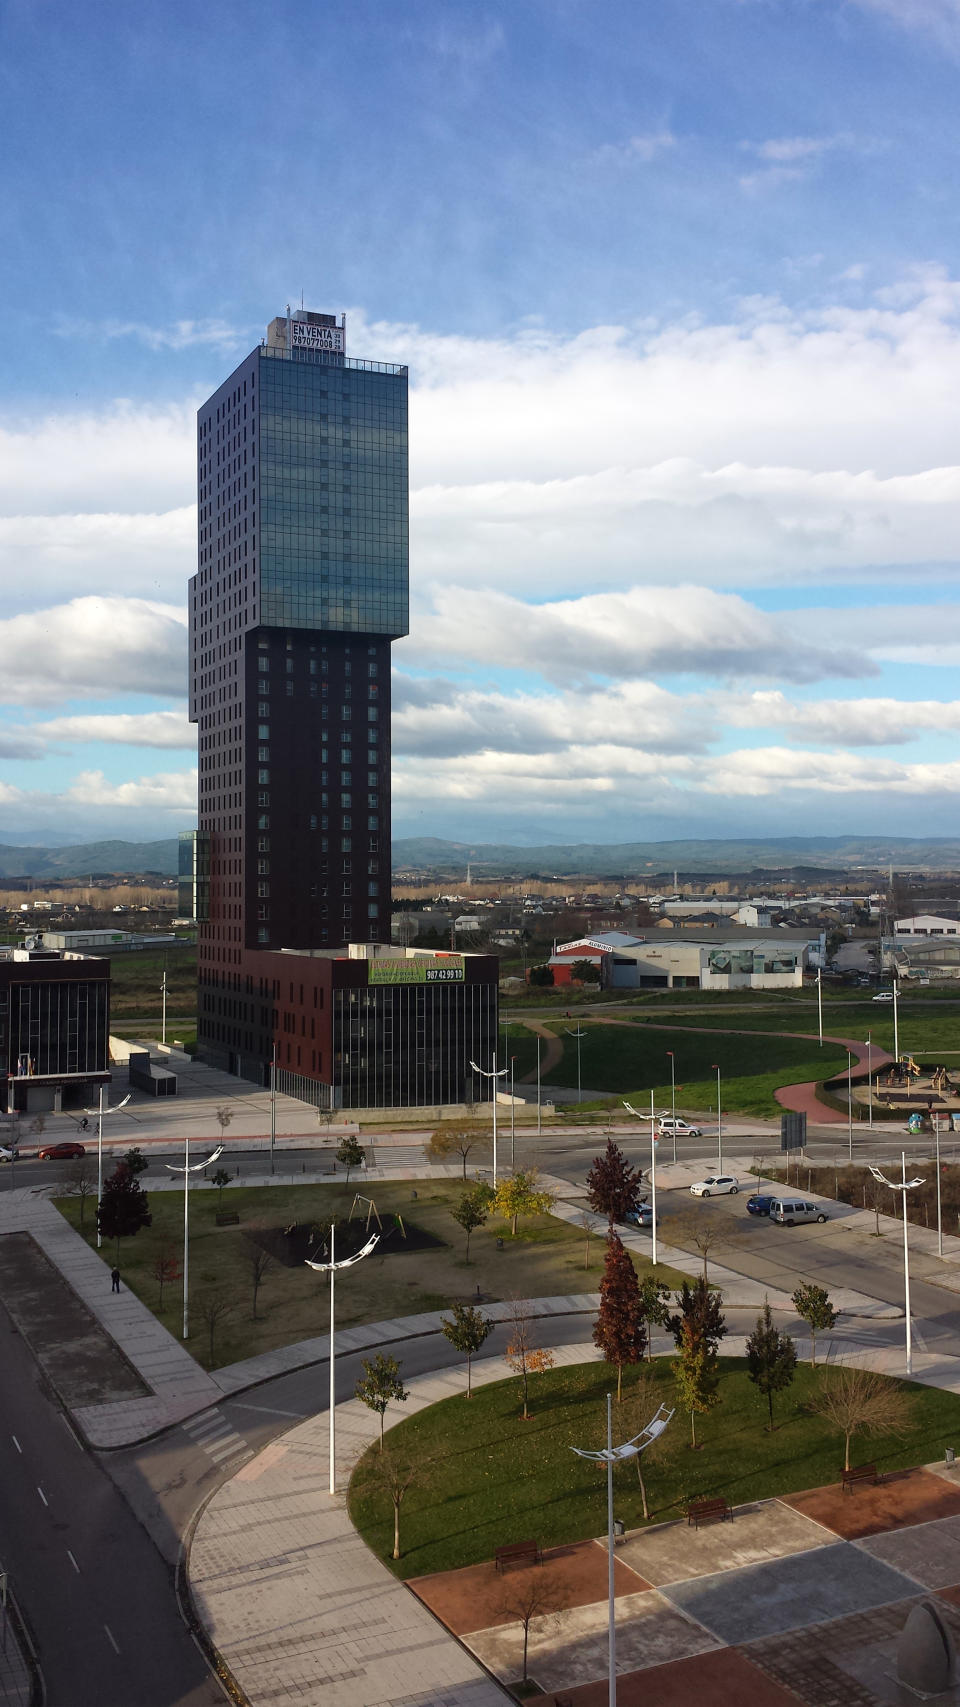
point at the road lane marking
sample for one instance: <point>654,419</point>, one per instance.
<point>17,1444</point>
<point>110,1638</point>
<point>266,1410</point>
<point>42,1494</point>
<point>73,1561</point>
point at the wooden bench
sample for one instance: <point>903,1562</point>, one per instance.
<point>859,1473</point>
<point>519,1553</point>
<point>228,1218</point>
<point>705,1511</point>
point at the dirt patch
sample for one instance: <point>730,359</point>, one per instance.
<point>77,1356</point>
<point>307,1241</point>
<point>471,1599</point>
<point>902,1498</point>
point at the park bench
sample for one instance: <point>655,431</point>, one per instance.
<point>518,1553</point>
<point>228,1218</point>
<point>859,1473</point>
<point>705,1511</point>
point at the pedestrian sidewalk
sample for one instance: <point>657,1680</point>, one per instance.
<point>16,1677</point>
<point>301,1609</point>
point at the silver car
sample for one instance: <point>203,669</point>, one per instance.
<point>790,1210</point>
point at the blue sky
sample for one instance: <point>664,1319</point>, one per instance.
<point>678,288</point>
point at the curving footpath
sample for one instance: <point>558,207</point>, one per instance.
<point>299,1607</point>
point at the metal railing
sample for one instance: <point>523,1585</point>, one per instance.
<point>330,358</point>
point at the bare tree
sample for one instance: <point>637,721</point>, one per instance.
<point>397,1474</point>
<point>453,1140</point>
<point>529,1594</point>
<point>856,1401</point>
<point>214,1304</point>
<point>165,1268</point>
<point>81,1182</point>
<point>704,1233</point>
<point>523,1354</point>
<point>258,1263</point>
<point>585,1220</point>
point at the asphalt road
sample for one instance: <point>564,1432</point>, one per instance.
<point>94,1590</point>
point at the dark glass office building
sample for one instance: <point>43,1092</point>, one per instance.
<point>301,585</point>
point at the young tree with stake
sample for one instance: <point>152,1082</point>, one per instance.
<point>654,1306</point>
<point>467,1332</point>
<point>524,1356</point>
<point>472,1210</point>
<point>350,1153</point>
<point>697,1375</point>
<point>518,1195</point>
<point>771,1359</point>
<point>813,1306</point>
<point>379,1383</point>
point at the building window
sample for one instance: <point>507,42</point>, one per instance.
<point>372,713</point>
<point>263,776</point>
<point>346,844</point>
<point>373,911</point>
<point>263,822</point>
<point>263,733</point>
<point>373,823</point>
<point>372,669</point>
<point>263,754</point>
<point>263,868</point>
<point>263,934</point>
<point>263,799</point>
<point>346,822</point>
<point>346,712</point>
<point>313,820</point>
<point>263,889</point>
<point>373,800</point>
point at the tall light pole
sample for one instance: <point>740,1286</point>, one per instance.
<point>513,1120</point>
<point>869,1078</point>
<point>100,1112</point>
<point>273,1108</point>
<point>186,1170</point>
<point>673,1101</point>
<point>653,1171</point>
<point>492,1073</point>
<point>896,1024</point>
<point>331,1269</point>
<point>903,1186</point>
<point>539,1110</point>
<point>719,1124</point>
<point>850,1107</point>
<point>163,1023</point>
<point>609,1456</point>
<point>577,1034</point>
<point>936,1128</point>
<point>820,1003</point>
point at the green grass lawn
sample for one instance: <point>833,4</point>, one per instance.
<point>135,981</point>
<point>633,1061</point>
<point>546,1259</point>
<point>492,1479</point>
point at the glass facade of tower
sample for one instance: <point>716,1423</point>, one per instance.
<point>333,495</point>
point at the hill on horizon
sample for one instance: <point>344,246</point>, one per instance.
<point>444,859</point>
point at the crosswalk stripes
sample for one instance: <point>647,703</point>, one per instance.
<point>221,1442</point>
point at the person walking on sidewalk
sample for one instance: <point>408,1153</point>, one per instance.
<point>115,1279</point>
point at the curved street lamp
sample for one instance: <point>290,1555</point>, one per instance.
<point>186,1168</point>
<point>331,1269</point>
<point>100,1112</point>
<point>611,1455</point>
<point>493,1073</point>
<point>903,1186</point>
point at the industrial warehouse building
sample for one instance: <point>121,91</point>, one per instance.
<point>750,960</point>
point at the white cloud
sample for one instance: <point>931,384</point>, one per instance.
<point>49,557</point>
<point>937,18</point>
<point>643,148</point>
<point>646,631</point>
<point>166,729</point>
<point>788,149</point>
<point>130,458</point>
<point>170,791</point>
<point>92,648</point>
<point>181,335</point>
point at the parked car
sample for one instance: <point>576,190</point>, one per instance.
<point>715,1185</point>
<point>759,1204</point>
<point>883,996</point>
<point>642,1216</point>
<point>9,1153</point>
<point>787,1211</point>
<point>670,1125</point>
<point>60,1152</point>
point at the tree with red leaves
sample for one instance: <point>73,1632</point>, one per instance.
<point>613,1186</point>
<point>620,1332</point>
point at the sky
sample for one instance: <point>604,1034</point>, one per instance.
<point>678,285</point>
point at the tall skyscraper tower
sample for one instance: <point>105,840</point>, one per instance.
<point>301,585</point>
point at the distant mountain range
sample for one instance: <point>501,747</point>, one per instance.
<point>90,859</point>
<point>446,859</point>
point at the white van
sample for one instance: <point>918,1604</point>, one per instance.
<point>789,1210</point>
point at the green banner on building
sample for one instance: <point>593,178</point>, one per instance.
<point>446,971</point>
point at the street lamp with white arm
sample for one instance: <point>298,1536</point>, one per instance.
<point>903,1186</point>
<point>331,1268</point>
<point>186,1168</point>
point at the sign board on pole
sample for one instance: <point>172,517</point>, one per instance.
<point>793,1131</point>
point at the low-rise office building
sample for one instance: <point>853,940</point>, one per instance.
<point>54,1029</point>
<point>714,961</point>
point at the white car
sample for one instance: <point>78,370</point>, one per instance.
<point>883,996</point>
<point>668,1125</point>
<point>8,1153</point>
<point>715,1185</point>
